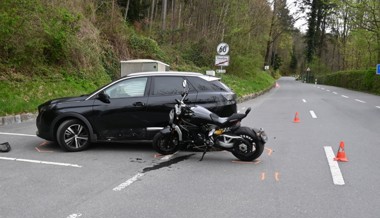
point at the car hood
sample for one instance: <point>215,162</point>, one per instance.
<point>67,99</point>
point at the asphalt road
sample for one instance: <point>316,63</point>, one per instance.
<point>293,177</point>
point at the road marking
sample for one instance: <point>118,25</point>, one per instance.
<point>378,107</point>
<point>270,151</point>
<point>128,182</point>
<point>313,115</point>
<point>16,134</point>
<point>344,96</point>
<point>304,100</point>
<point>167,157</point>
<point>262,176</point>
<point>358,100</point>
<point>323,88</point>
<point>328,90</point>
<point>41,162</point>
<point>247,162</point>
<point>335,93</point>
<point>277,176</point>
<point>39,149</point>
<point>75,215</point>
<point>334,167</point>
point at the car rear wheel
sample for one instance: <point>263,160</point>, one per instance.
<point>73,135</point>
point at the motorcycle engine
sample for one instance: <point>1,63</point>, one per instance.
<point>200,139</point>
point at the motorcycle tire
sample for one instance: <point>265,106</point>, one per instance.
<point>166,143</point>
<point>248,149</point>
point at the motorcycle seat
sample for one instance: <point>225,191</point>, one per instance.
<point>226,121</point>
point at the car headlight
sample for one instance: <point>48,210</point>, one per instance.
<point>43,108</point>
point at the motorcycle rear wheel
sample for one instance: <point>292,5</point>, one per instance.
<point>248,149</point>
<point>166,143</point>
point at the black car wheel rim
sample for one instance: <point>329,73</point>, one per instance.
<point>76,136</point>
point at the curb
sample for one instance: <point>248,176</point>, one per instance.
<point>19,118</point>
<point>11,119</point>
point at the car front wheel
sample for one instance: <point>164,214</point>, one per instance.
<point>73,135</point>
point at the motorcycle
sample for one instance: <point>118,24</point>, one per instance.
<point>200,129</point>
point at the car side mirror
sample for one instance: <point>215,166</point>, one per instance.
<point>102,96</point>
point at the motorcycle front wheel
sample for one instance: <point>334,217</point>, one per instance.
<point>250,147</point>
<point>166,143</point>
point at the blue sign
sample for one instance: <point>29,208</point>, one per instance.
<point>378,69</point>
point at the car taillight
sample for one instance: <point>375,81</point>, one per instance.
<point>229,97</point>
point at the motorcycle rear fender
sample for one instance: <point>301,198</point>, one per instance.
<point>260,136</point>
<point>169,129</point>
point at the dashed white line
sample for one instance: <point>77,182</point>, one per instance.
<point>328,90</point>
<point>344,96</point>
<point>335,93</point>
<point>16,134</point>
<point>128,182</point>
<point>313,115</point>
<point>40,162</point>
<point>334,167</point>
<point>378,107</point>
<point>304,100</point>
<point>358,100</point>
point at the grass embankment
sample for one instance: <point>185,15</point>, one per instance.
<point>247,84</point>
<point>23,96</point>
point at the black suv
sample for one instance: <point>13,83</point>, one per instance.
<point>134,107</point>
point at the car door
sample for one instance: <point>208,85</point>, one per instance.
<point>164,91</point>
<point>124,117</point>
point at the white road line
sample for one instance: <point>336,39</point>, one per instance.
<point>167,157</point>
<point>17,134</point>
<point>128,182</point>
<point>323,88</point>
<point>313,115</point>
<point>304,100</point>
<point>334,167</point>
<point>358,100</point>
<point>40,162</point>
<point>378,107</point>
<point>75,215</point>
<point>344,96</point>
<point>328,90</point>
<point>335,93</point>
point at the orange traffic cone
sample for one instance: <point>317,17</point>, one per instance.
<point>296,118</point>
<point>341,155</point>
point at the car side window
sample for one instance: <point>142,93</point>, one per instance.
<point>203,85</point>
<point>128,88</point>
<point>169,85</point>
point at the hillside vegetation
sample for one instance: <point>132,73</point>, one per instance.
<point>53,48</point>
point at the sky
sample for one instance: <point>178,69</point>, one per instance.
<point>293,6</point>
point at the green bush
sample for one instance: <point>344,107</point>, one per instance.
<point>145,47</point>
<point>361,80</point>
